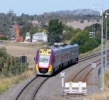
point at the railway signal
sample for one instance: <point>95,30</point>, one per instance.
<point>23,59</point>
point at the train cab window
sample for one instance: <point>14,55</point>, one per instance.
<point>44,58</point>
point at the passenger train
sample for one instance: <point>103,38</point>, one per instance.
<point>48,60</point>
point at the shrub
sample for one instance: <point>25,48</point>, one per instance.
<point>3,38</point>
<point>85,43</point>
<point>10,65</point>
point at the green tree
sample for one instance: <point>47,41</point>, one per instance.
<point>85,43</point>
<point>10,65</point>
<point>55,29</point>
<point>95,27</point>
<point>68,33</point>
<point>28,28</point>
<point>67,36</point>
<point>81,37</point>
<point>55,26</point>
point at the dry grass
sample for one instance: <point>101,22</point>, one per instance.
<point>22,44</point>
<point>7,82</point>
<point>90,52</point>
<point>77,24</point>
<point>102,95</point>
<point>18,49</point>
<point>98,96</point>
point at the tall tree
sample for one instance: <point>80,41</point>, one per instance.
<point>28,28</point>
<point>55,29</point>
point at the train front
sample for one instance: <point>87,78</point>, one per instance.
<point>44,62</point>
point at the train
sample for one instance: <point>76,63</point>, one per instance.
<point>50,59</point>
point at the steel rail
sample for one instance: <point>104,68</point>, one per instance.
<point>25,88</point>
<point>82,70</point>
<point>33,98</point>
<point>37,89</point>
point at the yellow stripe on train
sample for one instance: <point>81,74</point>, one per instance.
<point>37,68</point>
<point>50,68</point>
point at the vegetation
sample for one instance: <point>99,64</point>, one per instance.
<point>53,24</point>
<point>35,22</point>
<point>28,28</point>
<point>55,29</point>
<point>95,28</point>
<point>85,43</point>
<point>104,95</point>
<point>3,38</point>
<point>10,65</point>
<point>7,82</point>
<point>68,33</point>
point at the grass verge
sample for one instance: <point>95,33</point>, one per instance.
<point>104,95</point>
<point>89,52</point>
<point>7,82</point>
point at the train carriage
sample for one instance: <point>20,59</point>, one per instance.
<point>51,59</point>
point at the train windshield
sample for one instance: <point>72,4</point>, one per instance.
<point>44,58</point>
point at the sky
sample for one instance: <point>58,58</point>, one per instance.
<point>38,7</point>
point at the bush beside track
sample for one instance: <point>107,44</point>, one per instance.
<point>85,42</point>
<point>10,65</point>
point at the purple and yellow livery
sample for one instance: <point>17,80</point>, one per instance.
<point>51,59</point>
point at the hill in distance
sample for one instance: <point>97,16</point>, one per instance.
<point>79,12</point>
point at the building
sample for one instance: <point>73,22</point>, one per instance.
<point>28,37</point>
<point>39,37</point>
<point>2,35</point>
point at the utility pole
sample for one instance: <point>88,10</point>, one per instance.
<point>106,14</point>
<point>102,66</point>
<point>94,30</point>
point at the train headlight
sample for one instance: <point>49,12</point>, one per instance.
<point>50,68</point>
<point>37,68</point>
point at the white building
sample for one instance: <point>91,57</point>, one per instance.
<point>39,37</point>
<point>28,37</point>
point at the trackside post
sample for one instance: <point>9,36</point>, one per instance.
<point>62,80</point>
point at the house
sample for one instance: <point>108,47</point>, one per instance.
<point>2,35</point>
<point>28,37</point>
<point>39,37</point>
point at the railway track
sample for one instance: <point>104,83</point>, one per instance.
<point>84,74</point>
<point>88,67</point>
<point>24,88</point>
<point>83,69</point>
<point>31,89</point>
<point>92,56</point>
<point>39,81</point>
<point>33,98</point>
<point>89,57</point>
<point>86,58</point>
